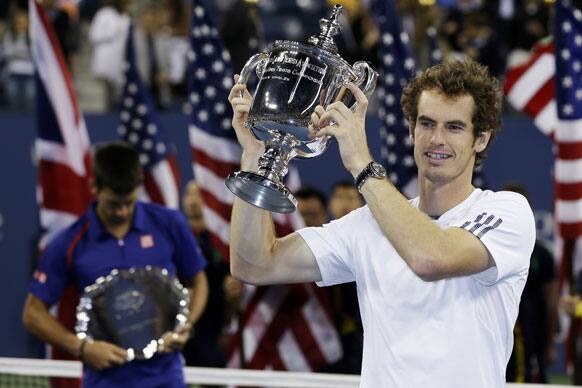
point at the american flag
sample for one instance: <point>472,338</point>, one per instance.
<point>281,327</point>
<point>397,67</point>
<point>548,87</point>
<point>63,152</point>
<point>139,126</point>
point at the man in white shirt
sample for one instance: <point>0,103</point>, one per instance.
<point>439,277</point>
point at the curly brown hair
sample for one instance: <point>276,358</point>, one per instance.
<point>454,79</point>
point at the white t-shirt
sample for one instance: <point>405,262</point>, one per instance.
<point>108,35</point>
<point>455,332</point>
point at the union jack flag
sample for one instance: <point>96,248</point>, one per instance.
<point>62,150</point>
<point>281,327</point>
<point>140,126</point>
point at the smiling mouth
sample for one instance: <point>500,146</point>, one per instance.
<point>437,155</point>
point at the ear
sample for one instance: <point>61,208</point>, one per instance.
<point>481,141</point>
<point>92,187</point>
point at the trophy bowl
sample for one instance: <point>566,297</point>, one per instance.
<point>133,308</point>
<point>293,79</point>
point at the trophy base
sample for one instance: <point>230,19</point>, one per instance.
<point>261,192</point>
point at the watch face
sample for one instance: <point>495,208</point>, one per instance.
<point>378,170</point>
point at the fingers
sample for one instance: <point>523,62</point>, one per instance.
<point>361,99</point>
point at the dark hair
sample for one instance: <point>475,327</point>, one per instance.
<point>311,192</point>
<point>116,167</point>
<point>454,79</point>
<point>516,187</point>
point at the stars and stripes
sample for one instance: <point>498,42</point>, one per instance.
<point>283,327</point>
<point>139,125</point>
<point>568,134</point>
<point>62,150</point>
<point>397,67</point>
<point>548,87</point>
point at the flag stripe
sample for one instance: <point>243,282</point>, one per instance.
<point>568,171</point>
<point>531,81</point>
<point>570,151</point>
<point>543,96</point>
<point>568,191</point>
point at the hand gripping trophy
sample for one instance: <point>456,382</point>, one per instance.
<point>293,79</point>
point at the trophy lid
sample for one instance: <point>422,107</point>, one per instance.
<point>329,28</point>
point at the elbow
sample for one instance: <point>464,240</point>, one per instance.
<point>240,271</point>
<point>427,269</point>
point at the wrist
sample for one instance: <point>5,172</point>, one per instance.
<point>250,161</point>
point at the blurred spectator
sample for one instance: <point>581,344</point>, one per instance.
<point>179,24</point>
<point>359,36</point>
<point>204,348</point>
<point>345,198</point>
<point>64,17</point>
<point>108,34</point>
<point>479,41</point>
<point>530,24</point>
<point>153,50</point>
<point>19,69</point>
<point>537,323</point>
<point>241,32</point>
<point>312,206</point>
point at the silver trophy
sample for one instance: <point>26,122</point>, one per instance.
<point>293,79</point>
<point>133,308</point>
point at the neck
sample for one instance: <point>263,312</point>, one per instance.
<point>437,198</point>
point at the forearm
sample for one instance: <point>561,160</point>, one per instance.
<point>198,297</point>
<point>39,322</point>
<point>416,239</point>
<point>252,234</point>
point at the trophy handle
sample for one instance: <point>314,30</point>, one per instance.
<point>258,62</point>
<point>367,78</point>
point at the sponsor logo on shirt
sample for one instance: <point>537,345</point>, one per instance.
<point>147,241</point>
<point>40,277</point>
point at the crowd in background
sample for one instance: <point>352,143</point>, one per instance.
<point>92,35</point>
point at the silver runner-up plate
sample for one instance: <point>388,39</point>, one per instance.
<point>133,308</point>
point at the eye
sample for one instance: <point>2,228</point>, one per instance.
<point>426,124</point>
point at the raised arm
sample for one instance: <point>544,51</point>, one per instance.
<point>256,255</point>
<point>431,252</point>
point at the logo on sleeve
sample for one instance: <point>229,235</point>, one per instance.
<point>482,224</point>
<point>146,241</point>
<point>40,277</point>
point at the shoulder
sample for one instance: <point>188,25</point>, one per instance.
<point>161,214</point>
<point>63,239</point>
<point>502,199</point>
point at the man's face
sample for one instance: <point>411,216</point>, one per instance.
<point>444,144</point>
<point>115,209</point>
<point>192,202</point>
<point>312,211</point>
<point>344,200</point>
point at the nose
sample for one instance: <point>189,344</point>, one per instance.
<point>122,211</point>
<point>437,135</point>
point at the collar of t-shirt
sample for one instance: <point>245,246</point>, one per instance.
<point>96,230</point>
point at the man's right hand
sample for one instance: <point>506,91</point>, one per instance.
<point>101,355</point>
<point>241,106</point>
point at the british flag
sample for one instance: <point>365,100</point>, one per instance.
<point>281,327</point>
<point>140,126</point>
<point>62,150</point>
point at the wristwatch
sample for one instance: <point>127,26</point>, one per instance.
<point>374,170</point>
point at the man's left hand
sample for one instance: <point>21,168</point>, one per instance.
<point>173,341</point>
